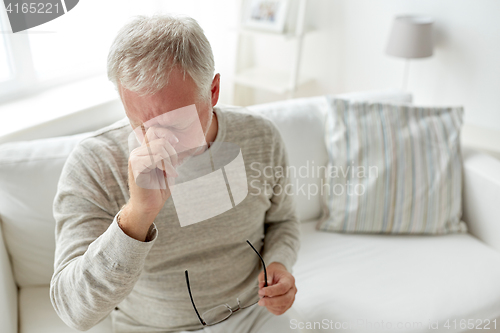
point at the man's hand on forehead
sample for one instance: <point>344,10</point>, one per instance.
<point>178,118</point>
<point>180,127</point>
<point>154,133</point>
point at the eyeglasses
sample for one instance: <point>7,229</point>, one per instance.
<point>224,311</point>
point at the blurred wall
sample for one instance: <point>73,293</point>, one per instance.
<point>347,53</point>
<point>219,20</point>
<point>464,70</point>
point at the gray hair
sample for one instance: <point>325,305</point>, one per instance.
<point>147,48</point>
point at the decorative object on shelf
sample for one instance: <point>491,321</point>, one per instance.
<point>410,37</point>
<point>259,75</point>
<point>267,15</point>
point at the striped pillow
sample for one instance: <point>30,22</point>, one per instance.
<point>393,168</point>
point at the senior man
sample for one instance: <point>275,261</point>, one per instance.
<point>120,248</point>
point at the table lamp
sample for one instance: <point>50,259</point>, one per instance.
<point>411,37</point>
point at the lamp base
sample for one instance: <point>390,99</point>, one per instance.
<point>405,75</point>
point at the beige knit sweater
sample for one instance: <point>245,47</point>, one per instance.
<point>99,270</point>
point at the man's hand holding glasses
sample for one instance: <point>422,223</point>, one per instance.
<point>275,290</point>
<point>279,295</point>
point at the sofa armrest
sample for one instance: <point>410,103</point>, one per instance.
<point>8,291</point>
<point>481,196</point>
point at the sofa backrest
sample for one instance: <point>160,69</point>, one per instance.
<point>300,123</point>
<point>29,172</point>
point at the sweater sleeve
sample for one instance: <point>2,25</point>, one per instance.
<point>96,264</point>
<point>282,229</point>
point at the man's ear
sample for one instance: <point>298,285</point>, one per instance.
<point>215,89</point>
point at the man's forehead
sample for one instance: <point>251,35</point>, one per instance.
<point>169,118</point>
<point>162,105</point>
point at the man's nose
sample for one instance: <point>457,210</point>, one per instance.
<point>162,132</point>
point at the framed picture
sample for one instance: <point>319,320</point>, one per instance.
<point>267,15</point>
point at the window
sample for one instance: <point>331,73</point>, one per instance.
<point>5,72</point>
<point>71,47</point>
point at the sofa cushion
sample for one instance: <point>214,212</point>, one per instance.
<point>393,168</point>
<point>406,278</point>
<point>339,276</point>
<point>36,314</point>
<point>29,172</point>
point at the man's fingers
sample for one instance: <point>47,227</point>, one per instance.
<point>262,284</point>
<point>169,169</point>
<point>150,157</point>
<point>154,147</point>
<point>142,164</point>
<point>280,288</point>
<point>159,149</point>
<point>279,304</point>
<point>150,135</point>
<point>172,154</point>
<point>163,148</point>
<point>146,163</point>
<point>261,279</point>
<point>155,133</point>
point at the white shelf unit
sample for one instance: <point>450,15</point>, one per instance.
<point>259,33</point>
<point>270,79</point>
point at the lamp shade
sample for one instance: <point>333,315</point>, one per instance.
<point>411,37</point>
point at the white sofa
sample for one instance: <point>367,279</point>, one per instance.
<point>344,279</point>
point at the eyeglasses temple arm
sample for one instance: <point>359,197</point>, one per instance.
<point>263,263</point>
<point>192,301</point>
